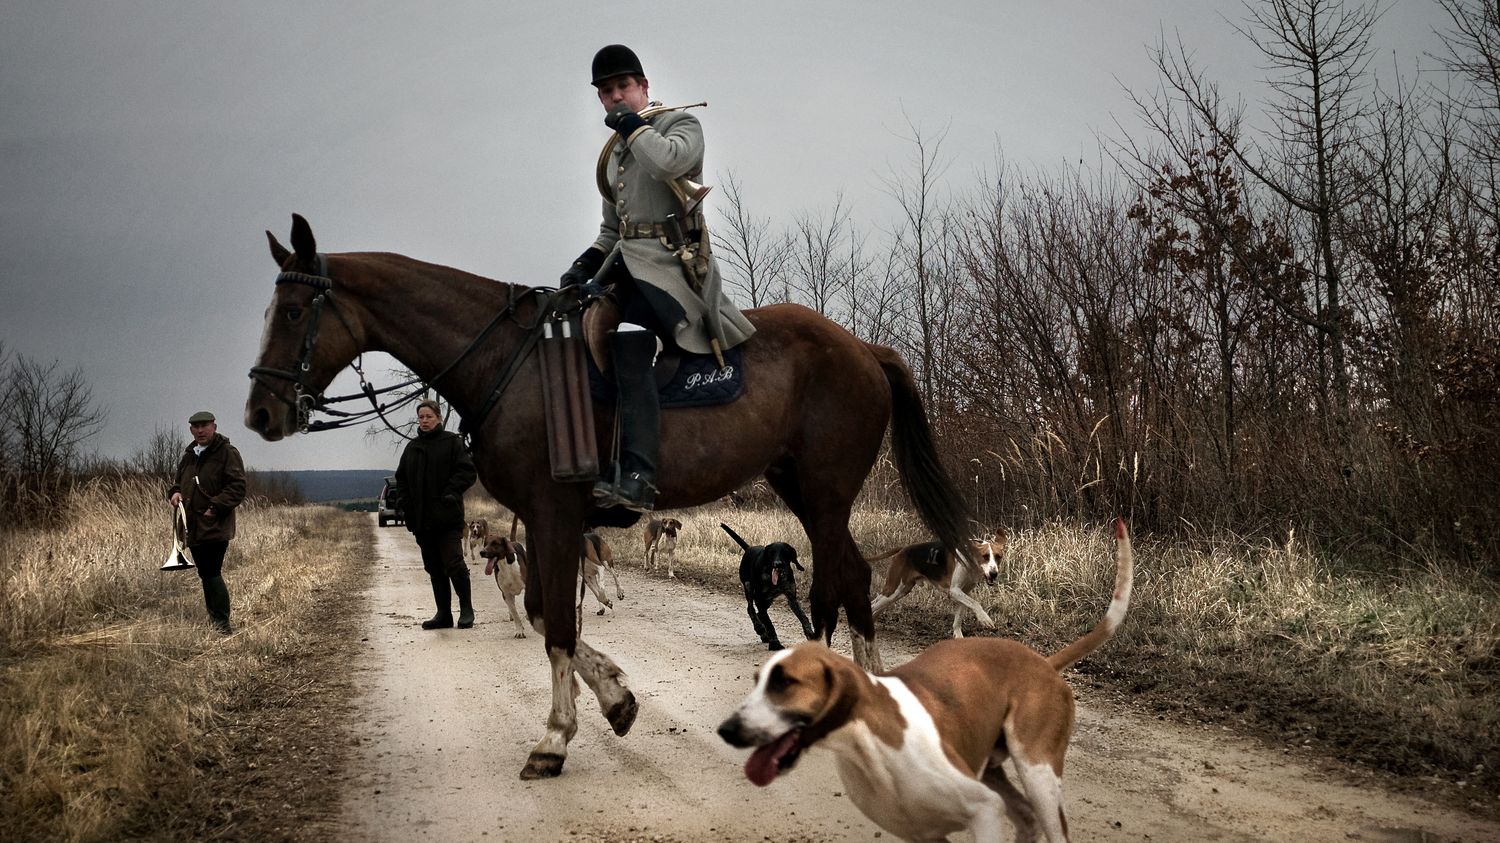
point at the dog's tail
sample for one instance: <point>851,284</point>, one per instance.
<point>744,545</point>
<point>514,520</point>
<point>888,554</point>
<point>1124,576</point>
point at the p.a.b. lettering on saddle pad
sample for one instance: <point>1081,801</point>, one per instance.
<point>696,380</point>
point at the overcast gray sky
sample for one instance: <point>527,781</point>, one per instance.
<point>145,146</point>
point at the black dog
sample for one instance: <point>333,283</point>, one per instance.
<point>765,572</point>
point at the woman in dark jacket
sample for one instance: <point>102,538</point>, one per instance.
<point>434,473</point>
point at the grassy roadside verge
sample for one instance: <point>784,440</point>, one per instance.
<point>123,716</point>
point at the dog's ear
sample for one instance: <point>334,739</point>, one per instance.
<point>838,704</point>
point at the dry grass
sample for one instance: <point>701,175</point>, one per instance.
<point>118,699</point>
<point>122,715</point>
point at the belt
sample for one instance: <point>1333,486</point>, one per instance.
<point>640,230</point>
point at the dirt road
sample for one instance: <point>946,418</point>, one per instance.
<point>450,716</point>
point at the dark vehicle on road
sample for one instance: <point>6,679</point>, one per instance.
<point>390,504</point>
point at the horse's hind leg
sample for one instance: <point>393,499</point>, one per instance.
<point>841,576</point>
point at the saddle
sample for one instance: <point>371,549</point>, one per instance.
<point>683,379</point>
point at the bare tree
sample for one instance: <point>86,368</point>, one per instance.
<point>1474,55</point>
<point>818,266</point>
<point>50,413</point>
<point>921,247</point>
<point>1318,52</point>
<point>756,257</point>
<point>159,454</point>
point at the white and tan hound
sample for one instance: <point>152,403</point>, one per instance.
<point>507,562</point>
<point>920,748</point>
<point>661,543</point>
<point>596,556</point>
<point>476,537</point>
<point>940,568</point>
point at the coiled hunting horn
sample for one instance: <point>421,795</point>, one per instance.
<point>689,192</point>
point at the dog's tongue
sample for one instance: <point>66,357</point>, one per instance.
<point>489,567</point>
<point>775,575</point>
<point>764,764</point>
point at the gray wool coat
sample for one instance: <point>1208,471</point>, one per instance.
<point>639,171</point>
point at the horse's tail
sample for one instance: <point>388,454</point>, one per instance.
<point>744,545</point>
<point>932,491</point>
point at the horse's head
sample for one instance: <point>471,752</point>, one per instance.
<point>307,338</point>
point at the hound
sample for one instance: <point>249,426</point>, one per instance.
<point>920,747</point>
<point>507,561</point>
<point>935,565</point>
<point>597,555</point>
<point>765,574</point>
<point>661,542</point>
<point>476,537</point>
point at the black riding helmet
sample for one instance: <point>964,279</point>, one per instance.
<point>615,60</point>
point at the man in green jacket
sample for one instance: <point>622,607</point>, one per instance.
<point>210,484</point>
<point>434,472</point>
<point>652,256</point>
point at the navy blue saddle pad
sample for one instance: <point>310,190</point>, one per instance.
<point>698,382</point>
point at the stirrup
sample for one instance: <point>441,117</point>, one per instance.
<point>608,494</point>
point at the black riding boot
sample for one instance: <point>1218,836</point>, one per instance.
<point>631,483</point>
<point>216,598</point>
<point>465,599</point>
<point>443,596</point>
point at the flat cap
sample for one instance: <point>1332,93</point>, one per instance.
<point>200,417</point>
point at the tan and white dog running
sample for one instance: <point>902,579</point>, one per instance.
<point>920,747</point>
<point>938,567</point>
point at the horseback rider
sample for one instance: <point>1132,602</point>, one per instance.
<point>652,260</point>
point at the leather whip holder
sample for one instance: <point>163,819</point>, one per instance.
<point>571,444</point>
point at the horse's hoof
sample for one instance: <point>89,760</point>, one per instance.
<point>621,715</point>
<point>542,765</point>
<point>774,645</point>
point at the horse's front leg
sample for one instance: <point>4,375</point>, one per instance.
<point>547,756</point>
<point>607,681</point>
<point>549,604</point>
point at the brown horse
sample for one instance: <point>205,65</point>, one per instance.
<point>814,411</point>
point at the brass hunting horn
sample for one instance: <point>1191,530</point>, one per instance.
<point>689,192</point>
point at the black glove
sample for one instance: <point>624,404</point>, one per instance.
<point>584,268</point>
<point>623,119</point>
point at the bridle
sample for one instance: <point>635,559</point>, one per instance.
<point>306,401</point>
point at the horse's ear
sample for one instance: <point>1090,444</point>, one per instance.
<point>278,251</point>
<point>302,239</point>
